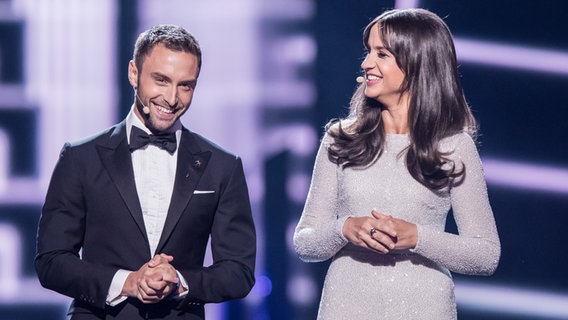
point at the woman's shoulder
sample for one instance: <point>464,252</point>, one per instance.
<point>461,141</point>
<point>459,138</point>
<point>337,124</point>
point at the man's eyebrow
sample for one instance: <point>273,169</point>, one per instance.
<point>190,83</point>
<point>160,75</point>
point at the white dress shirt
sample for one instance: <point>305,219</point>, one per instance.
<point>154,176</point>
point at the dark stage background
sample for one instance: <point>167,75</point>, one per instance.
<point>274,73</point>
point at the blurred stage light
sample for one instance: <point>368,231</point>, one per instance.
<point>512,301</point>
<point>302,290</point>
<point>526,176</point>
<point>404,4</point>
<point>262,289</point>
<point>510,56</point>
<point>10,261</point>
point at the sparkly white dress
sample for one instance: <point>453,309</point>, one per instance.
<point>411,284</point>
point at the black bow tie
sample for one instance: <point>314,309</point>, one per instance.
<point>140,139</point>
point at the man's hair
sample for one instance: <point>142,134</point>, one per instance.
<point>172,37</point>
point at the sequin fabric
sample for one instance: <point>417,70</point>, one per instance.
<point>412,284</point>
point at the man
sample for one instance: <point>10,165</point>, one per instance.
<point>129,211</point>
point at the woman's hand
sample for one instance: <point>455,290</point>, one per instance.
<point>406,232</point>
<point>376,233</point>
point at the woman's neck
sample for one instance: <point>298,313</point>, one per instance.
<point>395,115</point>
<point>395,121</point>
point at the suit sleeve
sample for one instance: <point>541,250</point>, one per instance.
<point>60,238</point>
<point>233,246</point>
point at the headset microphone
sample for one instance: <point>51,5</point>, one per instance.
<point>145,109</point>
<point>360,79</point>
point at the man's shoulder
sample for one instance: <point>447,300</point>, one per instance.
<point>100,136</point>
<point>206,144</point>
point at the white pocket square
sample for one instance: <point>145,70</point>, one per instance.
<point>203,191</point>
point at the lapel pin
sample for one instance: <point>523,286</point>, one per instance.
<point>197,164</point>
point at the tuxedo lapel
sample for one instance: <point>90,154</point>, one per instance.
<point>116,159</point>
<point>191,164</point>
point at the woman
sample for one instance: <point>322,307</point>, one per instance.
<point>386,177</point>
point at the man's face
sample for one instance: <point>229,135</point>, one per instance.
<point>165,85</point>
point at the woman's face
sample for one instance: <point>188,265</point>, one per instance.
<point>383,77</point>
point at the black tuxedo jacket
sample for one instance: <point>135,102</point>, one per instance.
<point>92,225</point>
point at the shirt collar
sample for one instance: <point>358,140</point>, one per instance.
<point>133,120</point>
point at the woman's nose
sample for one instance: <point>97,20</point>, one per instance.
<point>366,64</point>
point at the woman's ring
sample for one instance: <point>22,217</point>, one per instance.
<point>373,231</point>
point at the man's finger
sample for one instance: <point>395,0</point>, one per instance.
<point>159,259</point>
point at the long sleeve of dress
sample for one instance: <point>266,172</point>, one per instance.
<point>476,249</point>
<point>335,195</point>
<point>318,235</point>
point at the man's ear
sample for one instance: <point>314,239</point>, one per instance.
<point>132,74</point>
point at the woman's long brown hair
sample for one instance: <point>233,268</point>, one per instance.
<point>424,50</point>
